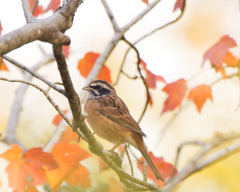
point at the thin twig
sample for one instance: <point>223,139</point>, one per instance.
<point>142,78</point>
<point>10,136</point>
<point>35,74</point>
<point>129,159</point>
<point>133,78</point>
<point>111,16</point>
<point>193,166</point>
<point>27,11</point>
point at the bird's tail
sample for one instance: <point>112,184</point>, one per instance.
<point>144,152</point>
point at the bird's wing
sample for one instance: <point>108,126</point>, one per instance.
<point>116,110</point>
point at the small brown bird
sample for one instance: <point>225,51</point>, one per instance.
<point>110,119</point>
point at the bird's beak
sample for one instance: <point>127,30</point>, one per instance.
<point>87,88</point>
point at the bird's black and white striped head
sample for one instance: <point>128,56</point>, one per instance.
<point>99,88</point>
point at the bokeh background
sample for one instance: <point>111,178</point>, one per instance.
<point>174,52</point>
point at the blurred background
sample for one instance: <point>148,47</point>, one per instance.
<point>174,52</point>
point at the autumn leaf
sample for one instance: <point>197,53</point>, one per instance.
<point>53,5</point>
<point>69,135</point>
<point>176,92</point>
<point>3,66</point>
<point>115,186</point>
<point>217,53</point>
<point>230,60</point>
<point>145,1</point>
<point>66,50</point>
<point>58,118</point>
<point>85,65</point>
<point>179,4</point>
<point>68,157</point>
<point>222,71</point>
<point>28,169</point>
<point>166,169</point>
<point>199,95</point>
<point>151,78</point>
<point>38,10</point>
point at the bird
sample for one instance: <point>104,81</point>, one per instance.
<point>111,120</point>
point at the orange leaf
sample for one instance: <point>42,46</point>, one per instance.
<point>15,169</point>
<point>222,71</point>
<point>115,186</point>
<point>3,66</point>
<point>78,176</point>
<point>217,52</point>
<point>230,60</point>
<point>66,50</point>
<point>176,92</point>
<point>58,118</point>
<point>29,168</point>
<point>0,183</point>
<point>86,64</point>
<point>151,78</point>
<point>199,95</point>
<point>68,156</point>
<point>69,135</point>
<point>179,4</point>
<point>145,1</point>
<point>53,5</point>
<point>166,169</point>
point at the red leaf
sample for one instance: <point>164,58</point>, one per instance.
<point>58,118</point>
<point>145,1</point>
<point>53,5</point>
<point>66,50</point>
<point>3,66</point>
<point>199,95</point>
<point>176,92</point>
<point>68,157</point>
<point>151,78</point>
<point>217,52</point>
<point>179,4</point>
<point>85,65</point>
<point>38,10</point>
<point>166,169</point>
<point>230,60</point>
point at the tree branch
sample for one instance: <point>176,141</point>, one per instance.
<point>111,16</point>
<point>143,79</point>
<point>34,6</point>
<point>10,136</point>
<point>49,30</point>
<point>35,74</point>
<point>27,11</point>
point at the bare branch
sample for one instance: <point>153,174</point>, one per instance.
<point>27,11</point>
<point>129,159</point>
<point>143,79</point>
<point>35,74</point>
<point>111,16</point>
<point>139,16</point>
